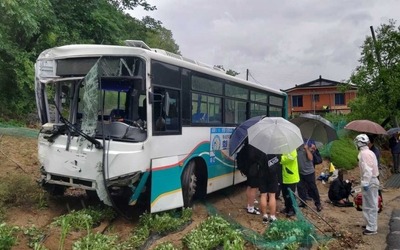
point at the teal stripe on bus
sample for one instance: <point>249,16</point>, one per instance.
<point>168,178</point>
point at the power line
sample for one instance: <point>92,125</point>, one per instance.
<point>253,78</point>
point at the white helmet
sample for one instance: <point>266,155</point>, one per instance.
<point>361,140</point>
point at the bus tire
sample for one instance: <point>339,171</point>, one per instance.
<point>189,183</point>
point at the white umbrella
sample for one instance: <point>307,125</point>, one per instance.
<point>275,135</point>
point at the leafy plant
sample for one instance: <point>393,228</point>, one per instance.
<point>137,239</point>
<point>65,227</point>
<point>288,234</point>
<point>214,232</point>
<point>166,222</point>
<point>88,217</point>
<point>165,246</point>
<point>157,223</point>
<point>97,241</point>
<point>34,234</point>
<point>7,236</point>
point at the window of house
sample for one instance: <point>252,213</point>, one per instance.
<point>339,99</point>
<point>297,101</point>
<point>316,98</point>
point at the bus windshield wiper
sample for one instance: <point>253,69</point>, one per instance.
<point>67,125</point>
<point>96,143</point>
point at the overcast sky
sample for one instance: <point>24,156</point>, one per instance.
<point>281,42</point>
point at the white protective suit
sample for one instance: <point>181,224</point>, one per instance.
<point>368,165</point>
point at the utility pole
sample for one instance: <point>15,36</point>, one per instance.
<point>247,74</point>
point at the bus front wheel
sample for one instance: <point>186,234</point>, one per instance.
<point>189,184</point>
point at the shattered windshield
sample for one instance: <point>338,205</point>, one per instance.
<point>107,102</point>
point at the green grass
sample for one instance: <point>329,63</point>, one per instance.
<point>17,190</point>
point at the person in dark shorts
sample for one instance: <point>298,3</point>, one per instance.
<point>268,181</point>
<point>247,161</point>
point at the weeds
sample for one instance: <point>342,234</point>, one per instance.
<point>7,236</point>
<point>18,189</point>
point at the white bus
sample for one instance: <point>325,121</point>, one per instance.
<point>141,123</point>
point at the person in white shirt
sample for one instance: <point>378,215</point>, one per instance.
<point>368,165</point>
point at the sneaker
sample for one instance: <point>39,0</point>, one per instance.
<point>319,208</point>
<point>367,232</point>
<point>253,211</point>
<point>272,219</point>
<point>265,220</point>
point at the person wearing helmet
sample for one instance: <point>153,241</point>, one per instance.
<point>368,165</point>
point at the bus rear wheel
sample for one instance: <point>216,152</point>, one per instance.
<point>189,183</point>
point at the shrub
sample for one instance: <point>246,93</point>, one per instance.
<point>343,153</point>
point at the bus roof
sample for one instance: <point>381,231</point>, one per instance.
<point>97,50</point>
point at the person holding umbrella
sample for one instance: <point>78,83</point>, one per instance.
<point>307,184</point>
<point>368,165</point>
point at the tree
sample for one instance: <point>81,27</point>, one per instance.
<point>159,37</point>
<point>131,4</point>
<point>232,72</point>
<point>378,76</point>
<point>22,23</point>
<point>29,27</point>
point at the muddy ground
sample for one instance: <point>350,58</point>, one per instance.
<point>19,156</point>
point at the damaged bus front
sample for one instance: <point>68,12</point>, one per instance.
<point>91,106</point>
